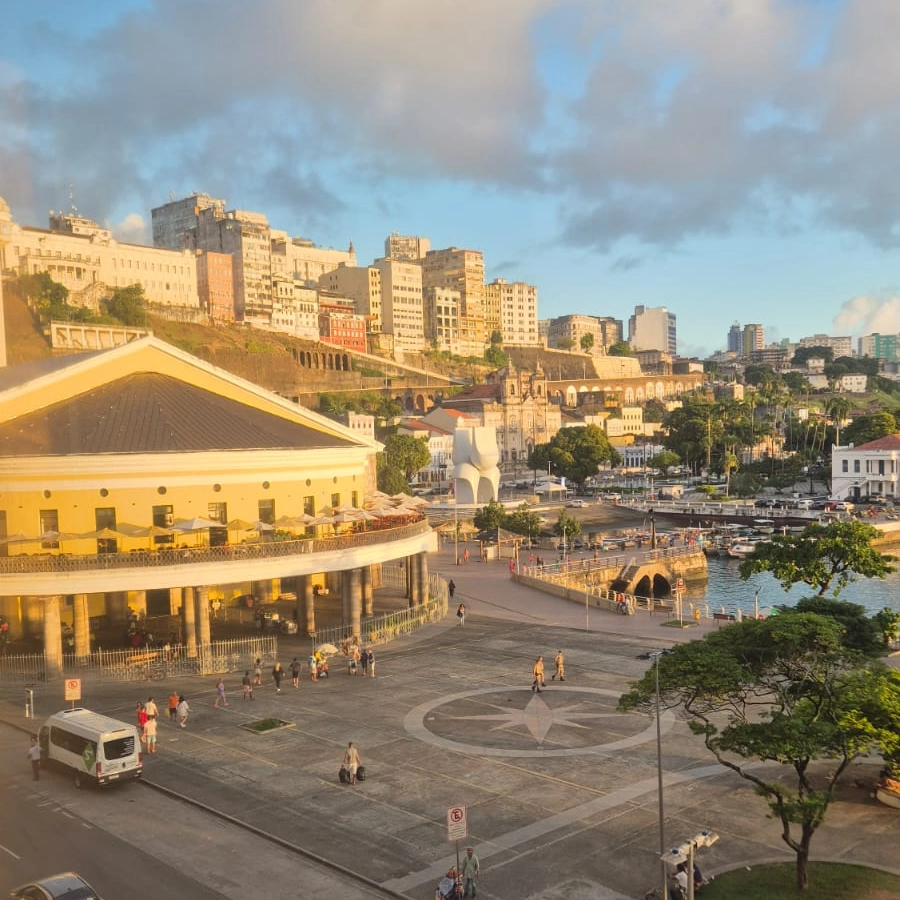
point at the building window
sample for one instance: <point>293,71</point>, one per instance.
<point>49,524</point>
<point>217,512</point>
<point>335,501</point>
<point>266,509</point>
<point>105,517</point>
<point>856,466</point>
<point>845,466</point>
<point>163,517</point>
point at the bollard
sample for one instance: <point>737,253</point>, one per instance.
<point>29,703</point>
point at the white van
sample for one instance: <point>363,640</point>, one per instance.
<point>96,747</point>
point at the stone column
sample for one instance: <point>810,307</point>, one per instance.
<point>174,610</point>
<point>345,595</point>
<point>412,581</point>
<point>81,625</point>
<point>201,604</point>
<point>188,620</point>
<point>306,603</point>
<point>117,606</point>
<point>423,578</point>
<point>367,593</point>
<point>262,590</point>
<point>52,637</point>
<point>140,603</point>
<point>354,590</point>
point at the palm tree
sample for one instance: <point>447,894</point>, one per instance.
<point>839,409</point>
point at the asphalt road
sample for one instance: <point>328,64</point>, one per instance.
<point>130,841</point>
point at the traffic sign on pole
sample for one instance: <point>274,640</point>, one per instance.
<point>73,689</point>
<point>457,823</point>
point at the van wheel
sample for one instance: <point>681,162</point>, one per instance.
<point>78,781</point>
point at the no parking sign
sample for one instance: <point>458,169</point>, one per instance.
<point>457,824</point>
<point>73,689</point>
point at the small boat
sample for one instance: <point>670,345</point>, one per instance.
<point>764,526</point>
<point>740,549</point>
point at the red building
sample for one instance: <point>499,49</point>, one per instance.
<point>215,285</point>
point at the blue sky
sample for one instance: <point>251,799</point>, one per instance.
<point>732,160</point>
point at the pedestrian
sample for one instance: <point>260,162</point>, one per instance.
<point>512,565</point>
<point>182,710</point>
<point>149,734</point>
<point>469,872</point>
<point>313,667</point>
<point>451,588</point>
<point>560,667</point>
<point>353,661</point>
<point>277,675</point>
<point>216,606</point>
<point>173,704</point>
<point>466,555</point>
<point>352,761</point>
<point>461,613</point>
<point>364,661</point>
<point>295,672</point>
<point>151,708</point>
<point>34,754</point>
<point>220,694</point>
<point>247,685</point>
<point>257,672</point>
<point>141,712</point>
<point>538,672</point>
<point>371,661</point>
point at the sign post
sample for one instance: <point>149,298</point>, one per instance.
<point>457,830</point>
<point>73,690</point>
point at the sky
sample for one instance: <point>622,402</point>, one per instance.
<point>730,160</point>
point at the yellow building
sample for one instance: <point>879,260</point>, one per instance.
<point>143,477</point>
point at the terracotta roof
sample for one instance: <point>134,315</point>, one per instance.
<point>889,442</point>
<point>151,413</point>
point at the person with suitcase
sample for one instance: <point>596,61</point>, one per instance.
<point>352,762</point>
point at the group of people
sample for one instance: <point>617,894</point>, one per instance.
<point>148,717</point>
<point>537,672</point>
<point>460,882</point>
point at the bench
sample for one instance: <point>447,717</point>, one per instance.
<point>141,659</point>
<point>724,617</point>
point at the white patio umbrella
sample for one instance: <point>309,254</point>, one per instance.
<point>198,523</point>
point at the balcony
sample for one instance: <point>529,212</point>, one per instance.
<point>62,573</point>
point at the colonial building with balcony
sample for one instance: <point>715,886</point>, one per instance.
<point>870,469</point>
<point>141,478</point>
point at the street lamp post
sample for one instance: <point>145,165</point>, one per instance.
<point>659,785</point>
<point>456,519</point>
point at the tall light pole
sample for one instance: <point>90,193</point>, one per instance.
<point>456,519</point>
<point>659,788</point>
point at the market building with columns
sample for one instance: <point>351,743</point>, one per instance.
<point>142,480</point>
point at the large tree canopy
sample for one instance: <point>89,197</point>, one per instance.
<point>823,556</point>
<point>403,456</point>
<point>787,691</point>
<point>574,453</point>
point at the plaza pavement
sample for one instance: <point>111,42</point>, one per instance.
<point>560,790</point>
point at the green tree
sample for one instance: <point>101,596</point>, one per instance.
<point>787,691</point>
<point>522,520</point>
<point>404,455</point>
<point>587,342</point>
<point>869,428</point>
<point>389,479</point>
<point>489,517</point>
<point>803,354</point>
<point>127,306</point>
<point>566,525</point>
<point>664,460</point>
<point>495,355</point>
<point>822,556</point>
<point>838,408</point>
<point>566,344</point>
<point>654,410</point>
<point>48,298</point>
<point>574,453</point>
<point>860,632</point>
<point>620,348</point>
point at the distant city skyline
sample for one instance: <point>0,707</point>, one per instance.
<point>732,164</point>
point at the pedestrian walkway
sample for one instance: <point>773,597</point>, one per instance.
<point>560,790</point>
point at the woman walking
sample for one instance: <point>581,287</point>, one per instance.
<point>182,711</point>
<point>277,675</point>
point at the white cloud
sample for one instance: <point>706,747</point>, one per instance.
<point>868,314</point>
<point>131,230</point>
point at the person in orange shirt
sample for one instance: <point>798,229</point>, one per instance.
<point>173,704</point>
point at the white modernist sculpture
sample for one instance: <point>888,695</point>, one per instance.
<point>475,470</point>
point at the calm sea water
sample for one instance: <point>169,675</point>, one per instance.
<point>726,588</point>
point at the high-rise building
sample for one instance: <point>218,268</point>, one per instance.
<point>363,286</point>
<point>215,285</point>
<point>175,223</point>
<point>753,338</point>
<point>402,311</point>
<point>735,339</point>
<point>516,303</point>
<point>880,346</point>
<point>459,270</point>
<point>406,247</point>
<point>441,310</point>
<point>841,345</point>
<point>652,328</point>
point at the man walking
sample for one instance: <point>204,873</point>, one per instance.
<point>469,872</point>
<point>34,754</point>
<point>560,667</point>
<point>352,761</point>
<point>538,672</point>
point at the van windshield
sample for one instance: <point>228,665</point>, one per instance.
<point>119,748</point>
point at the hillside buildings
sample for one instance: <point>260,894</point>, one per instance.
<point>652,328</point>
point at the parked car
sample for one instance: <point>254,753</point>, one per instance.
<point>576,503</point>
<point>578,544</point>
<point>66,884</point>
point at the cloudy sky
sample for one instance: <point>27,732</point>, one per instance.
<point>732,160</point>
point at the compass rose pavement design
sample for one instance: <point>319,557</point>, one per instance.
<point>515,722</point>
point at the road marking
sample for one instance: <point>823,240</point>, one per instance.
<point>7,850</point>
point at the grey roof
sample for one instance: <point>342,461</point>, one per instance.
<point>151,413</point>
<point>22,373</point>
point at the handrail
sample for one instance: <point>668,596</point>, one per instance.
<point>181,556</point>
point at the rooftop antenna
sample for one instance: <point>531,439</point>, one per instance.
<point>74,208</point>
